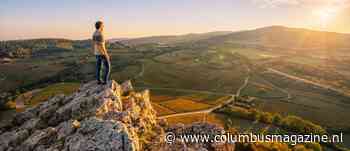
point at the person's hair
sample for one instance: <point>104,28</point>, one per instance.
<point>98,24</point>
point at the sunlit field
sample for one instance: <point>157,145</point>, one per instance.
<point>181,67</point>
<point>198,75</point>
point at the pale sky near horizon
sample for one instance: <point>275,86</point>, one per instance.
<point>74,19</point>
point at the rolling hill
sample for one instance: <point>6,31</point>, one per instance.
<point>35,47</point>
<point>272,37</point>
<point>275,70</point>
<point>283,37</point>
<point>172,39</point>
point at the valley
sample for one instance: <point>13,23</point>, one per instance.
<point>203,77</point>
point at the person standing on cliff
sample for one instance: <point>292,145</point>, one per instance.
<point>102,57</point>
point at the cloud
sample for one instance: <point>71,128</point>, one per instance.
<point>339,4</point>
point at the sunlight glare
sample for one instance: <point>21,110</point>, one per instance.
<point>325,15</point>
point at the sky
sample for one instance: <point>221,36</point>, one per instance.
<point>74,19</point>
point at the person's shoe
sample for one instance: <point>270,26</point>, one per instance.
<point>104,83</point>
<point>99,82</point>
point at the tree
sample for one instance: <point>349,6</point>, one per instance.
<point>277,119</point>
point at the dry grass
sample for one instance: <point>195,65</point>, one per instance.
<point>201,97</point>
<point>188,119</point>
<point>182,105</point>
<point>52,90</point>
<point>161,110</point>
<point>160,98</point>
<point>217,101</point>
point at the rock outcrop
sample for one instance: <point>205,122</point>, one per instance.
<point>97,117</point>
<point>109,117</point>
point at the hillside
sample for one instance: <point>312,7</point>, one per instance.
<point>173,39</point>
<point>279,72</point>
<point>279,37</point>
<point>40,47</point>
<point>273,37</point>
<point>25,48</point>
<point>112,117</point>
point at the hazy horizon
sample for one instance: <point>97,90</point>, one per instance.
<point>21,19</point>
<point>179,34</point>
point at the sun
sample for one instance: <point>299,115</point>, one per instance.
<point>325,15</point>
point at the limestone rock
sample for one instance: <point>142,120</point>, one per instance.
<point>127,87</point>
<point>96,117</point>
<point>108,117</point>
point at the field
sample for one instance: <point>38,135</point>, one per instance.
<point>197,75</point>
<point>167,102</point>
<point>211,118</point>
<point>169,75</point>
<point>314,104</point>
<point>25,73</point>
<point>182,105</point>
<point>161,110</point>
<point>52,90</point>
<point>251,53</point>
<point>32,98</point>
<point>261,88</point>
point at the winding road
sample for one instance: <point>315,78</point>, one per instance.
<point>209,110</point>
<point>288,94</point>
<point>232,99</point>
<point>140,74</point>
<point>323,86</point>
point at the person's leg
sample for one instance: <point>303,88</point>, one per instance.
<point>107,69</point>
<point>98,67</point>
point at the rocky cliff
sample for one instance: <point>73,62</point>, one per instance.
<point>112,117</point>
